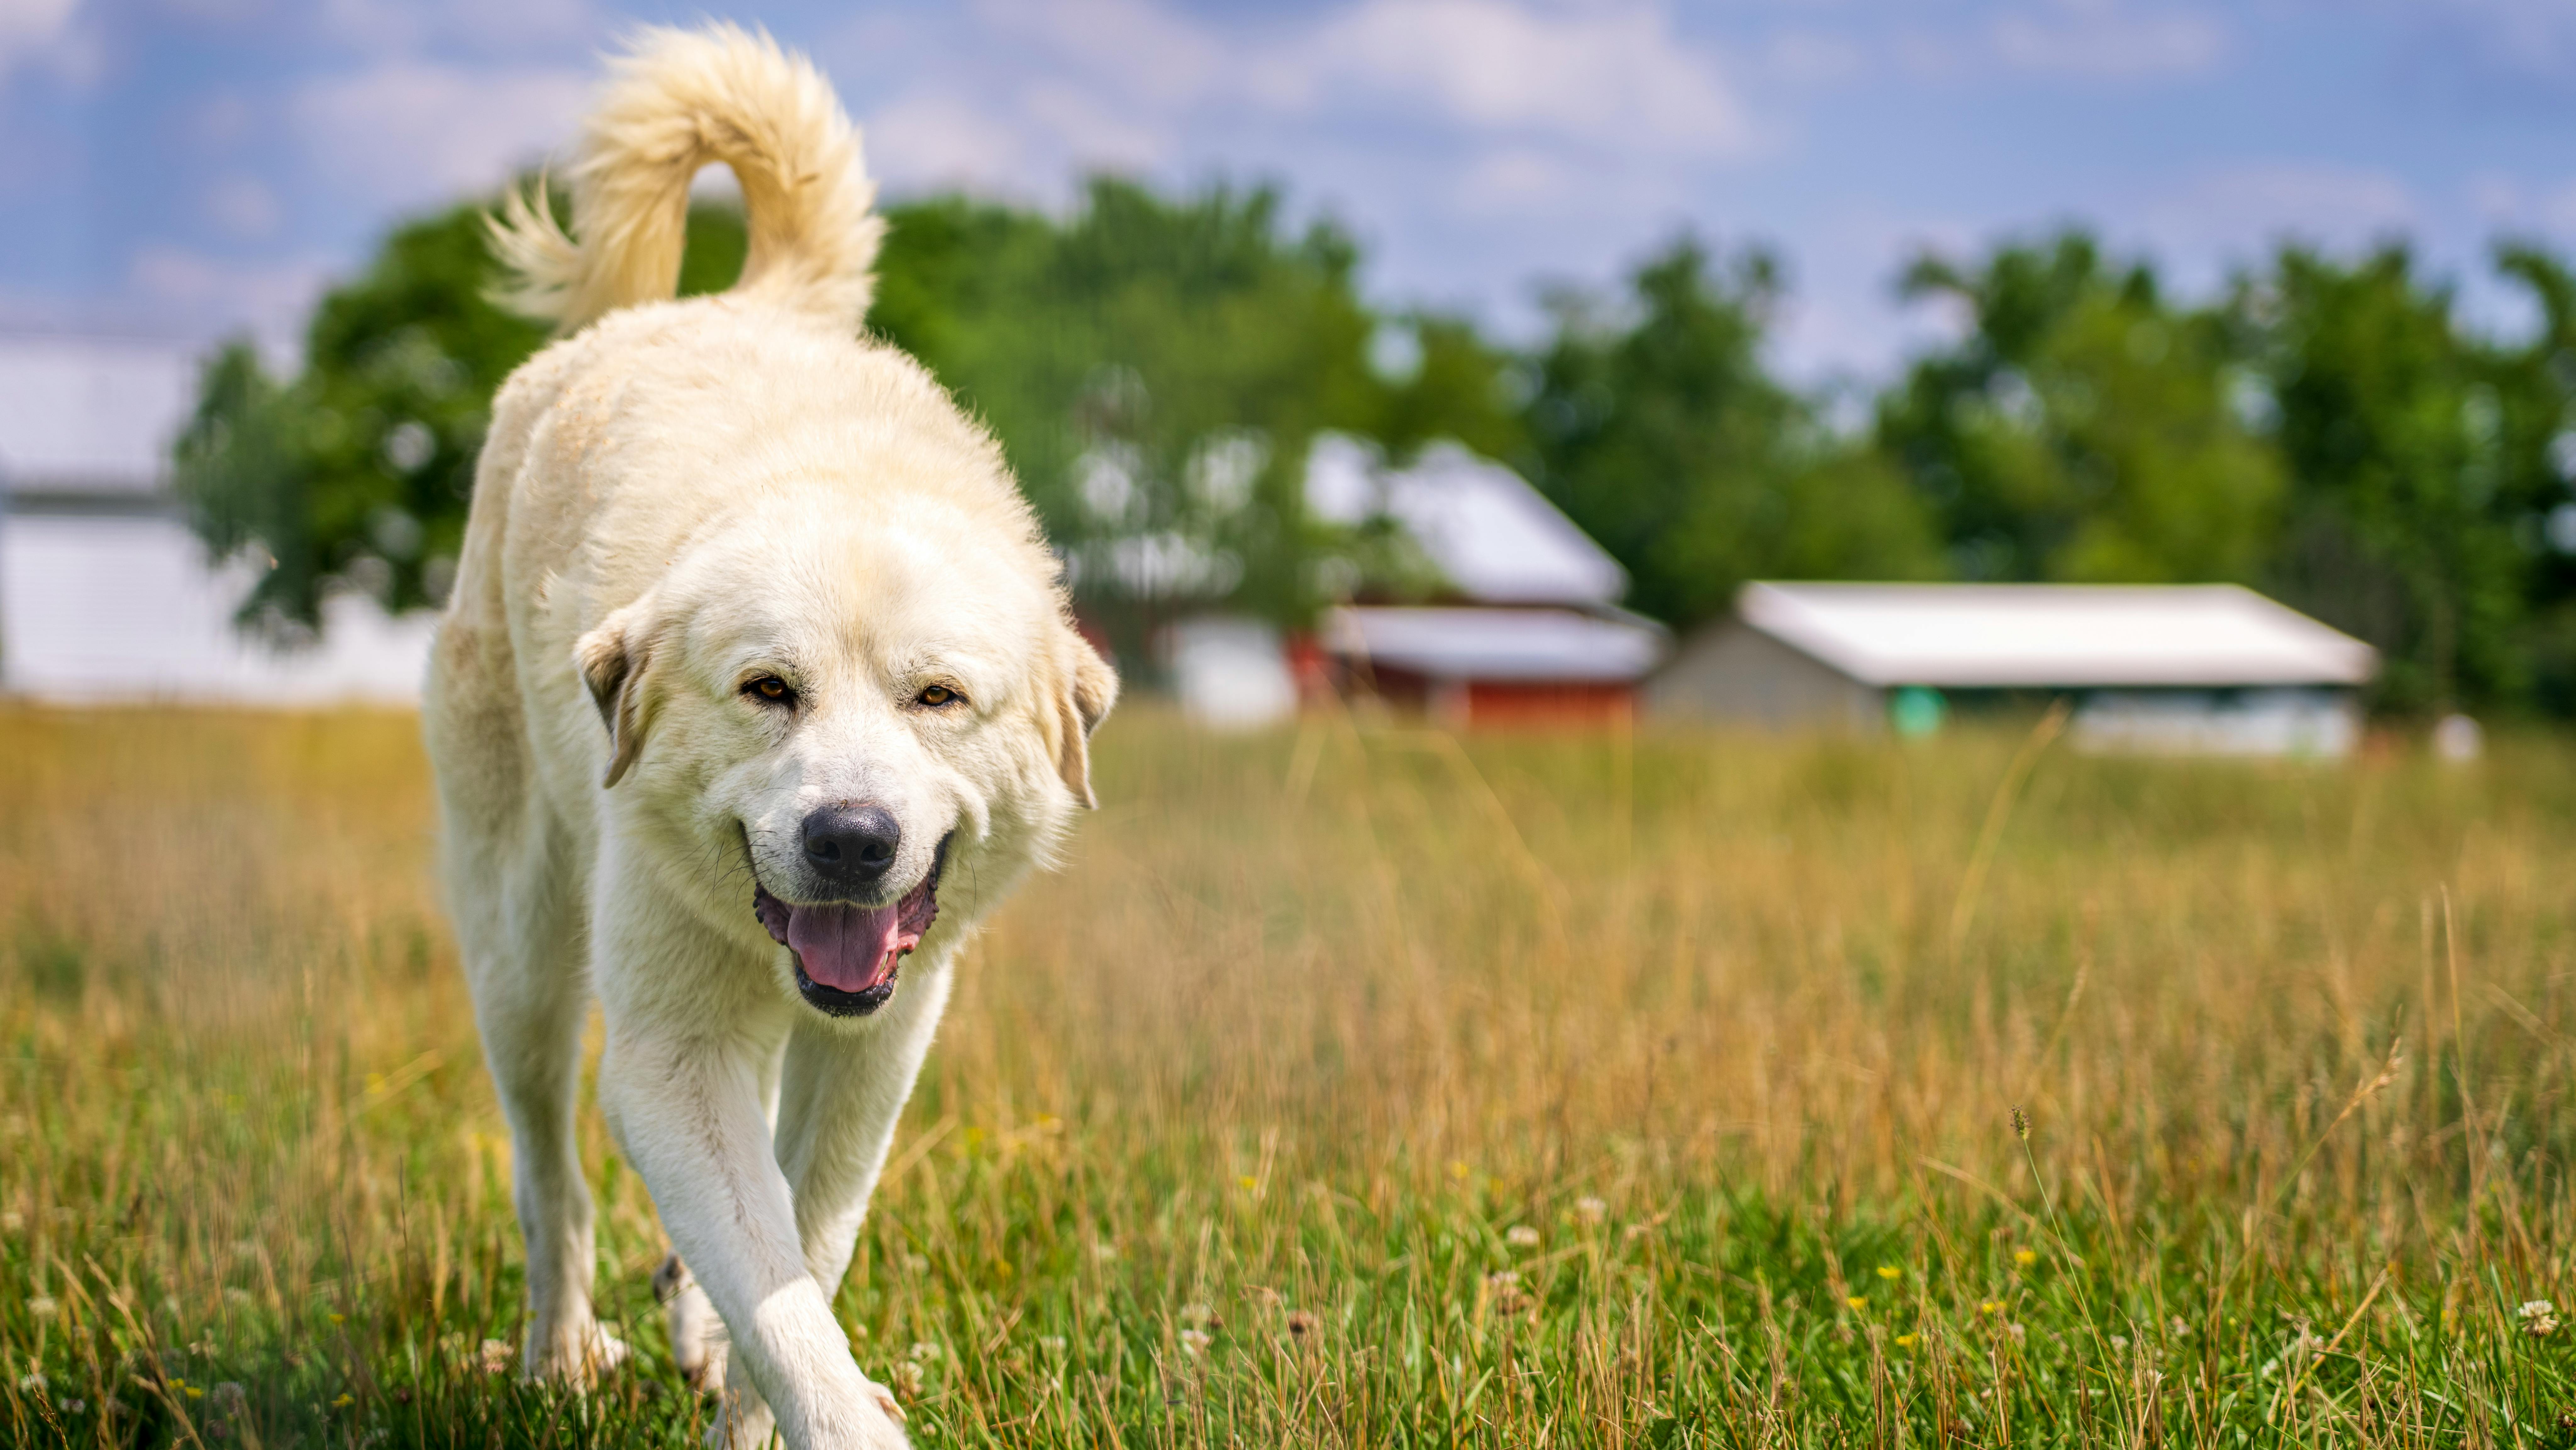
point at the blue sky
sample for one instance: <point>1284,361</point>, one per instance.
<point>191,167</point>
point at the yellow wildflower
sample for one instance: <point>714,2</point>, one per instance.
<point>1857,1302</point>
<point>1890,1272</point>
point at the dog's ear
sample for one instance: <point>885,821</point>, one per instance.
<point>613,659</point>
<point>1083,696</point>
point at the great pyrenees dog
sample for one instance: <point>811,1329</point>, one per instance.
<point>757,691</point>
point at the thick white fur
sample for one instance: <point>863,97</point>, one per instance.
<point>679,498</point>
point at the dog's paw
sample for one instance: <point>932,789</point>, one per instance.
<point>574,1354</point>
<point>882,1430</point>
<point>741,1422</point>
<point>698,1339</point>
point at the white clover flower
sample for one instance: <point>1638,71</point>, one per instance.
<point>1590,1210</point>
<point>1521,1236</point>
<point>1194,1342</point>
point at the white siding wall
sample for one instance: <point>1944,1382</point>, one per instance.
<point>102,609</point>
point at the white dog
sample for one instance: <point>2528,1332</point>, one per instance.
<point>757,691</point>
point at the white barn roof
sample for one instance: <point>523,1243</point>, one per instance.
<point>2002,636</point>
<point>1495,537</point>
<point>1496,644</point>
<point>91,415</point>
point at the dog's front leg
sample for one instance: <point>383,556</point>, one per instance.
<point>687,1110</point>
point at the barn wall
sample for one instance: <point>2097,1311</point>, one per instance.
<point>113,607</point>
<point>1732,673</point>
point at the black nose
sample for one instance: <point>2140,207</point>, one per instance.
<point>851,845</point>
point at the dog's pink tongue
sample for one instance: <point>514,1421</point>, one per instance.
<point>848,948</point>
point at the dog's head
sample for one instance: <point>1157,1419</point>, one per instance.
<point>853,701</point>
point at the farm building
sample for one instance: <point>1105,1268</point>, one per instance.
<point>105,594</point>
<point>1524,625</point>
<point>2180,668</point>
<point>1528,627</point>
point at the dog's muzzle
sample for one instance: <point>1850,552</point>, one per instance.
<point>847,955</point>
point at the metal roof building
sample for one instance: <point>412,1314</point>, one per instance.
<point>1492,535</point>
<point>2213,668</point>
<point>1529,626</point>
<point>1525,624</point>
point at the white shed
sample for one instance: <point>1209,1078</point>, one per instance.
<point>105,593</point>
<point>2189,668</point>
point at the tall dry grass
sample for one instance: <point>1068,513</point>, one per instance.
<point>1369,1086</point>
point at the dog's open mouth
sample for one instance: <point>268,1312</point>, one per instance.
<point>847,955</point>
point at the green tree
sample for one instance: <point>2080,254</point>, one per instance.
<point>358,471</point>
<point>1154,368</point>
<point>2426,460</point>
<point>1656,427</point>
<point>2083,429</point>
<point>359,468</point>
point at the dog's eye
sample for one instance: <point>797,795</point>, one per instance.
<point>936,696</point>
<point>772,689</point>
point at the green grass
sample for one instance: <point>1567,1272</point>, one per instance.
<point>1360,1086</point>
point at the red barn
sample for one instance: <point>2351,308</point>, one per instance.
<point>1526,628</point>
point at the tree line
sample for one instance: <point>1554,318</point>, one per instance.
<point>2328,429</point>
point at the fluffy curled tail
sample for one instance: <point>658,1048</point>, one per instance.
<point>677,100</point>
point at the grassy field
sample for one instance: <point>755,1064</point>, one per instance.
<point>1366,1087</point>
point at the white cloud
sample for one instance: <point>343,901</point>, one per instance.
<point>2506,204</point>
<point>242,206</point>
<point>1155,56</point>
<point>44,33</point>
<point>936,138</point>
<point>387,29</point>
<point>188,292</point>
<point>410,133</point>
<point>1616,76</point>
<point>1547,101</point>
<point>2250,206</point>
<point>1813,58</point>
<point>2513,41</point>
<point>1513,178</point>
<point>1094,131</point>
<point>2104,40</point>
